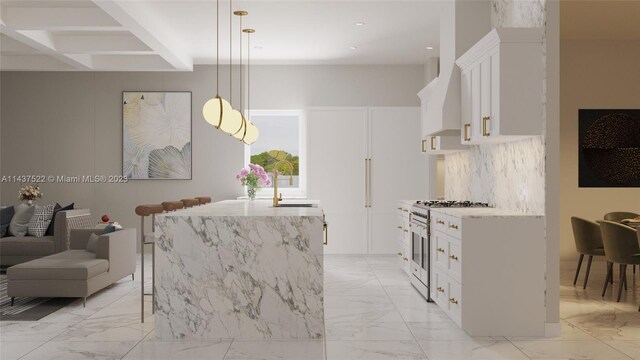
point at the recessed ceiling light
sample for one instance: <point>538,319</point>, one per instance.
<point>429,47</point>
<point>352,47</point>
<point>358,23</point>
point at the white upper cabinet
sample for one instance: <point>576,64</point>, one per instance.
<point>502,86</point>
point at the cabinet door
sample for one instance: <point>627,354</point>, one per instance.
<point>476,133</point>
<point>398,170</point>
<point>336,151</point>
<point>465,111</point>
<point>485,97</point>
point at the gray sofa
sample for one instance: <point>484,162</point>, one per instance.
<point>76,272</point>
<point>18,249</point>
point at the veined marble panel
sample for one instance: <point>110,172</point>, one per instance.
<point>520,13</point>
<point>243,277</point>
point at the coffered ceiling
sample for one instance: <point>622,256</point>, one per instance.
<point>165,35</point>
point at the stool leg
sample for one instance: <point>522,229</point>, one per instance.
<point>586,277</point>
<point>153,278</point>
<point>142,271</point>
<point>575,279</point>
<point>609,275</point>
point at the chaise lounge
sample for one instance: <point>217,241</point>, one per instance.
<point>77,272</point>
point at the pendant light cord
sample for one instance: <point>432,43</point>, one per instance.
<point>248,76</point>
<point>241,94</point>
<point>231,52</point>
<point>217,48</point>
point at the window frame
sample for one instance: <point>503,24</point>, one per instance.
<point>301,190</point>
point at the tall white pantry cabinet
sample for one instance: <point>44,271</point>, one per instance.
<point>361,160</point>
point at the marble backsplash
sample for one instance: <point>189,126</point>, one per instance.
<point>509,175</point>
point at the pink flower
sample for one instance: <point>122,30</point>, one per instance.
<point>244,172</point>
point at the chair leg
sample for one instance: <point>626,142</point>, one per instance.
<point>634,269</point>
<point>621,282</point>
<point>624,277</point>
<point>84,302</point>
<point>609,275</point>
<point>12,299</point>
<point>133,278</point>
<point>586,277</point>
<point>575,279</point>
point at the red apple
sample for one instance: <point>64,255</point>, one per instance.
<point>105,218</point>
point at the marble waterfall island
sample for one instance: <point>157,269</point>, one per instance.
<point>240,269</point>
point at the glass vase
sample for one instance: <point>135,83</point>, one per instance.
<point>251,192</point>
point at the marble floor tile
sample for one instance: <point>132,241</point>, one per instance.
<point>430,313</point>
<point>372,302</point>
<point>442,330</point>
<point>473,349</point>
<point>276,350</point>
<point>63,350</point>
<point>630,348</point>
<point>375,330</point>
<point>372,350</point>
<point>110,328</point>
<point>30,330</point>
<point>13,350</point>
<point>170,350</point>
<point>362,314</point>
<point>568,332</point>
<point>609,326</point>
<point>569,350</point>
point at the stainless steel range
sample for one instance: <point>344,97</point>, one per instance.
<point>421,257</point>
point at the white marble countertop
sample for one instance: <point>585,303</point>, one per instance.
<point>246,208</point>
<point>407,202</point>
<point>481,212</point>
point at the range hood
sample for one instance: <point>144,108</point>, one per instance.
<point>462,24</point>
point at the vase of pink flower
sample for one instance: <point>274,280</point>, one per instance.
<point>254,178</point>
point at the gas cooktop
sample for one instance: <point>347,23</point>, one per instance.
<point>448,203</point>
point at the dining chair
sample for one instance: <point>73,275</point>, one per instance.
<point>621,247</point>
<point>588,242</point>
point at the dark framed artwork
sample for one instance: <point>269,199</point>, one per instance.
<point>609,148</point>
<point>156,135</point>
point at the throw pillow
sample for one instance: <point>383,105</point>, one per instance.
<point>6,214</point>
<point>20,221</point>
<point>108,229</point>
<point>40,220</point>
<point>92,244</point>
<point>57,209</point>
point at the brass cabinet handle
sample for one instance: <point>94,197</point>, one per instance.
<point>453,257</point>
<point>400,227</point>
<point>466,132</point>
<point>406,259</point>
<point>440,250</point>
<point>423,146</point>
<point>453,300</point>
<point>405,210</point>
<point>399,208</point>
<point>439,289</point>
<point>485,132</point>
<point>405,230</point>
<point>325,233</point>
<point>439,222</point>
<point>453,226</point>
<point>400,254</point>
<point>433,145</point>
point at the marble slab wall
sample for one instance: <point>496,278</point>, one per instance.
<point>509,175</point>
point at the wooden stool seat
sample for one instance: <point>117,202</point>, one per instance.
<point>190,202</point>
<point>204,199</point>
<point>172,205</point>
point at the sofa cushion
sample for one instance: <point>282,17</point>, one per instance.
<point>27,245</point>
<point>56,210</point>
<point>67,265</point>
<point>6,213</point>
<point>40,220</point>
<point>92,243</point>
<point>20,221</point>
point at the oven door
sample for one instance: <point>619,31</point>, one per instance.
<point>425,270</point>
<point>416,249</point>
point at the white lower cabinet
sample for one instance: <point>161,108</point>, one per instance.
<point>404,235</point>
<point>488,270</point>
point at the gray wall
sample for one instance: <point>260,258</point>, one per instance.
<point>70,123</point>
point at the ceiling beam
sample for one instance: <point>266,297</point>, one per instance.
<point>101,44</point>
<point>32,63</point>
<point>41,41</point>
<point>150,32</point>
<point>58,19</point>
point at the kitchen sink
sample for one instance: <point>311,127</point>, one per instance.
<point>297,205</point>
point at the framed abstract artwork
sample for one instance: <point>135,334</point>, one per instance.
<point>609,148</point>
<point>156,135</point>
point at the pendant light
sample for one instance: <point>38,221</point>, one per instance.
<point>215,110</point>
<point>251,131</point>
<point>243,126</point>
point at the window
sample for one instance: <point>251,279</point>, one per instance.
<point>283,131</point>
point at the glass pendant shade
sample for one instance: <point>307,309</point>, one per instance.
<point>216,110</point>
<point>240,134</point>
<point>251,135</point>
<point>232,122</point>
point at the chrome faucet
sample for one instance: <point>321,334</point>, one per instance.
<point>277,198</point>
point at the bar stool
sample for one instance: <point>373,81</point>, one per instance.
<point>190,202</point>
<point>148,239</point>
<point>204,199</point>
